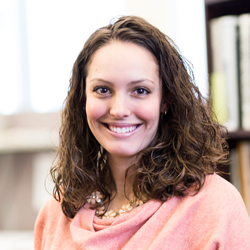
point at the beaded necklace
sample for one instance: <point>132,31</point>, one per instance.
<point>96,198</point>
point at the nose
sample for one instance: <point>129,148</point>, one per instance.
<point>119,107</point>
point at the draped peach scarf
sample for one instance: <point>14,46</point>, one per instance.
<point>213,219</point>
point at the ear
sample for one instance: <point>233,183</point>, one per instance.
<point>164,108</point>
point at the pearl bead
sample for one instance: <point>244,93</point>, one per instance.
<point>96,197</point>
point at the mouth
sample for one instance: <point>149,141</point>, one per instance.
<point>122,129</point>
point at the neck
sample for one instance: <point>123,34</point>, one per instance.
<point>118,167</point>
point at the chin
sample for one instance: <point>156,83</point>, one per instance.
<point>122,153</point>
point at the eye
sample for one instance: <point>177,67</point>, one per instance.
<point>141,91</point>
<point>101,90</point>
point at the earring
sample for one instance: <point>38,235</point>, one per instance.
<point>165,112</point>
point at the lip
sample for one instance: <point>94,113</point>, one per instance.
<point>122,126</point>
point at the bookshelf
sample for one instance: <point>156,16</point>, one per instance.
<point>239,138</point>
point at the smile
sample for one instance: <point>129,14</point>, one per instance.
<point>121,130</point>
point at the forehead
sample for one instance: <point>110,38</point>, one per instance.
<point>122,56</point>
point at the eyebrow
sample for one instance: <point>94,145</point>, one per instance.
<point>132,82</point>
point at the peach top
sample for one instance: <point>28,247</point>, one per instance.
<point>213,219</point>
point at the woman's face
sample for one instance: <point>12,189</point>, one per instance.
<point>123,91</point>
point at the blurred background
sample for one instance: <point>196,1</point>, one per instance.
<point>39,42</point>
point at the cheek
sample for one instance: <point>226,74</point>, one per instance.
<point>94,110</point>
<point>150,112</point>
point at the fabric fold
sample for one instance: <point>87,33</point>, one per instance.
<point>213,219</point>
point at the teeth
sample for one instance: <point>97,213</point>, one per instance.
<point>122,130</point>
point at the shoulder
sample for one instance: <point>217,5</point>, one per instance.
<point>222,197</point>
<point>51,207</point>
<point>50,210</point>
<point>217,198</point>
<point>49,216</point>
<point>48,220</point>
<point>213,181</point>
<point>226,208</point>
<point>216,186</point>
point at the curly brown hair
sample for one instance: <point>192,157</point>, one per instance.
<point>189,143</point>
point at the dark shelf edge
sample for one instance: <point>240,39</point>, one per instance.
<point>239,135</point>
<point>218,8</point>
<point>209,2</point>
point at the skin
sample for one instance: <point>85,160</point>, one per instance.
<point>123,106</point>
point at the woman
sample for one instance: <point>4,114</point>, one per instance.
<point>138,153</point>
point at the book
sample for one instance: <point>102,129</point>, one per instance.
<point>224,77</point>
<point>234,169</point>
<point>244,38</point>
<point>243,150</point>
